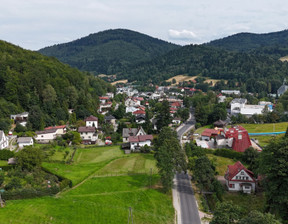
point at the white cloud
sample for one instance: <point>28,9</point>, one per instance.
<point>182,35</point>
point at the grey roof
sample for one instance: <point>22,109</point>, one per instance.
<point>126,132</point>
<point>282,89</point>
<point>86,129</point>
<point>46,131</point>
<point>239,100</point>
<point>24,140</point>
<point>140,116</point>
<point>109,118</point>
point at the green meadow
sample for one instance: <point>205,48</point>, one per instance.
<point>106,182</point>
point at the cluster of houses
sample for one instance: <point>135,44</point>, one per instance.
<point>105,103</point>
<point>135,138</point>
<point>236,138</point>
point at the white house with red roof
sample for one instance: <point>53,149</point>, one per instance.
<point>238,178</point>
<point>91,121</point>
<point>207,134</point>
<point>60,130</point>
<point>139,141</point>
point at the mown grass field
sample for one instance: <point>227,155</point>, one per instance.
<point>98,199</point>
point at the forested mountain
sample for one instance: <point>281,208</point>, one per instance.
<point>257,72</point>
<point>110,51</point>
<point>275,43</point>
<point>44,86</point>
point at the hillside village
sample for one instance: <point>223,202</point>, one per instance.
<point>81,142</point>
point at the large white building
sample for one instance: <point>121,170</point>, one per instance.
<point>4,141</point>
<point>239,106</point>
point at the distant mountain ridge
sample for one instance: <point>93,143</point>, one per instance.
<point>275,43</point>
<point>110,51</point>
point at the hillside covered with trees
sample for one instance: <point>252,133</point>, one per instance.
<point>44,87</point>
<point>256,73</point>
<point>110,51</point>
<point>273,44</point>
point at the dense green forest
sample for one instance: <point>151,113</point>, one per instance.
<point>274,44</point>
<point>44,87</point>
<point>256,73</point>
<point>109,51</point>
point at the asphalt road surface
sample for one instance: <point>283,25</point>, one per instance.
<point>187,125</point>
<point>185,195</point>
<point>188,206</point>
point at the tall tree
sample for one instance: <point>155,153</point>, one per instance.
<point>163,116</point>
<point>274,168</point>
<point>170,157</point>
<point>226,213</point>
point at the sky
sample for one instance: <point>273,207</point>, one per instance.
<point>34,24</point>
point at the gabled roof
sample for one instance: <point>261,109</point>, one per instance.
<point>139,112</point>
<point>233,170</point>
<point>140,138</point>
<point>109,117</point>
<point>86,129</point>
<point>241,139</point>
<point>91,118</point>
<point>209,132</point>
<point>24,140</point>
<point>126,132</point>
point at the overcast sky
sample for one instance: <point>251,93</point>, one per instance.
<point>34,24</point>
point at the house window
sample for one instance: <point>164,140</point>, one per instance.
<point>232,185</point>
<point>246,178</point>
<point>242,173</point>
<point>247,187</point>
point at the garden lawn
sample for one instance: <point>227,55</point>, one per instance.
<point>98,200</point>
<point>271,127</point>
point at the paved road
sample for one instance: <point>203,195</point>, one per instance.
<point>188,206</point>
<point>184,194</point>
<point>187,125</point>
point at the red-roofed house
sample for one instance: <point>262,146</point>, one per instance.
<point>209,133</point>
<point>137,112</point>
<point>60,130</point>
<point>238,138</point>
<point>139,141</point>
<point>238,178</point>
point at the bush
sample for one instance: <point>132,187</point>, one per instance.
<point>228,153</point>
<point>5,154</point>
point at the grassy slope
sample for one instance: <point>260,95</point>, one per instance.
<point>221,163</point>
<point>99,199</point>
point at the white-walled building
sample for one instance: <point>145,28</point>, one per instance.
<point>4,141</point>
<point>88,135</point>
<point>46,136</point>
<point>25,141</point>
<point>238,178</point>
<point>127,132</point>
<point>91,121</point>
<point>137,142</point>
<point>239,106</point>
